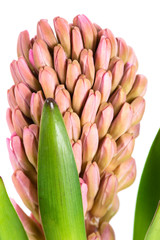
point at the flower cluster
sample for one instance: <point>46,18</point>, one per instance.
<point>92,77</point>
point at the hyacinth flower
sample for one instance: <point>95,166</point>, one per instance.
<point>92,76</point>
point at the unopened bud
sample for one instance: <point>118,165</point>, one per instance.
<point>72,123</point>
<point>45,32</point>
<point>125,145</point>
<point>92,179</point>
<point>103,53</point>
<point>60,62</point>
<point>77,43</point>
<point>41,54</point>
<point>116,67</point>
<point>91,106</point>
<point>138,106</point>
<point>138,89</point>
<point>106,231</point>
<point>122,122</point>
<point>77,151</point>
<point>80,94</point>
<point>36,106</point>
<point>122,49</point>
<point>117,99</point>
<point>105,195</point>
<point>103,83</point>
<point>88,31</point>
<point>84,190</point>
<point>87,64</point>
<point>23,98</point>
<point>126,173</point>
<point>128,78</point>
<point>106,150</point>
<point>62,98</point>
<point>11,97</point>
<point>108,34</point>
<point>89,142</point>
<point>48,80</point>
<point>72,74</point>
<point>62,29</point>
<point>30,145</point>
<point>104,118</point>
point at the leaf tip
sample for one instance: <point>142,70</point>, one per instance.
<point>51,103</point>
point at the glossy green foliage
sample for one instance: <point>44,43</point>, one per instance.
<point>153,232</point>
<point>149,191</point>
<point>10,225</point>
<point>58,182</point>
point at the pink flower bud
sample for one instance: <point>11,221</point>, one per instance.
<point>48,80</point>
<point>21,73</point>
<point>72,123</point>
<point>122,122</point>
<point>92,179</point>
<point>138,106</point>
<point>45,32</point>
<point>77,151</point>
<point>132,59</point>
<point>80,94</point>
<point>15,72</point>
<point>23,46</point>
<point>88,31</point>
<point>11,98</point>
<point>62,98</point>
<point>87,64</point>
<point>108,34</point>
<point>89,139</point>
<point>125,145</point>
<point>134,130</point>
<point>62,29</point>
<point>122,49</point>
<point>36,106</point>
<point>117,99</point>
<point>84,190</point>
<point>19,121</point>
<point>30,145</point>
<point>126,173</point>
<point>91,106</point>
<point>41,54</point>
<point>19,159</point>
<point>116,66</point>
<point>103,54</point>
<point>104,118</point>
<point>26,190</point>
<point>112,210</point>
<point>139,88</point>
<point>103,83</point>
<point>23,97</point>
<point>72,74</point>
<point>128,78</point>
<point>9,120</point>
<point>77,43</point>
<point>106,150</point>
<point>105,195</point>
<point>60,62</point>
<point>106,231</point>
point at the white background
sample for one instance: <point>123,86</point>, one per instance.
<point>138,22</point>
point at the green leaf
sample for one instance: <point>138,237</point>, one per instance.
<point>153,232</point>
<point>58,182</point>
<point>149,191</point>
<point>10,225</point>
